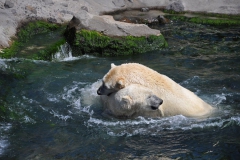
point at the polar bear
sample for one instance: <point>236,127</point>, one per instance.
<point>128,103</point>
<point>177,99</point>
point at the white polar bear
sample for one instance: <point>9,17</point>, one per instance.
<point>127,102</point>
<point>176,99</point>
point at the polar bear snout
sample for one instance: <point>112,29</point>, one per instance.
<point>154,101</point>
<point>103,90</point>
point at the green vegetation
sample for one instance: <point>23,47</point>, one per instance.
<point>96,43</point>
<point>26,32</point>
<point>46,53</point>
<point>205,18</point>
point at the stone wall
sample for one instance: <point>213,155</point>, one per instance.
<point>13,12</point>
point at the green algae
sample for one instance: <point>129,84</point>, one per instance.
<point>93,42</point>
<point>25,36</point>
<point>206,18</point>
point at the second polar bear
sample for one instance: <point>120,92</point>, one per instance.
<point>176,99</point>
<point>127,102</point>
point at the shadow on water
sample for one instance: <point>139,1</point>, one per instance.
<point>50,110</point>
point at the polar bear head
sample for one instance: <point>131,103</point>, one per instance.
<point>133,100</point>
<point>123,75</point>
<point>116,78</point>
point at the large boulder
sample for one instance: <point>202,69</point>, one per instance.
<point>102,35</point>
<point>107,25</point>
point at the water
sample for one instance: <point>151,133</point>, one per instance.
<point>52,110</point>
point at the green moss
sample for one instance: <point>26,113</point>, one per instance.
<point>220,20</point>
<point>24,35</point>
<point>6,114</point>
<point>45,54</point>
<point>33,28</point>
<point>96,43</point>
<point>2,109</point>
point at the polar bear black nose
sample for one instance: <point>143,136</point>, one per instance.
<point>155,102</point>
<point>99,92</point>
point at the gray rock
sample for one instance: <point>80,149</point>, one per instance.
<point>66,12</point>
<point>2,4</point>
<point>48,2</point>
<point>145,9</point>
<point>162,19</point>
<point>84,8</point>
<point>8,4</point>
<point>176,6</point>
<point>108,26</point>
<point>119,3</point>
<point>64,4</point>
<point>14,12</point>
<point>31,9</point>
<point>52,20</point>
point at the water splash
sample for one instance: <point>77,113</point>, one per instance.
<point>64,52</point>
<point>4,143</point>
<point>153,126</point>
<point>60,116</point>
<point>3,65</point>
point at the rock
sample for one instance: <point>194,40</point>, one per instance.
<point>119,3</point>
<point>125,19</point>
<point>8,4</point>
<point>176,6</point>
<point>2,4</point>
<point>107,25</point>
<point>84,8</point>
<point>64,4</point>
<point>52,20</point>
<point>31,9</point>
<point>48,2</point>
<point>162,19</point>
<point>144,9</point>
<point>14,12</point>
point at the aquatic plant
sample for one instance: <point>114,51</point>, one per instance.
<point>207,18</point>
<point>99,44</point>
<point>25,33</point>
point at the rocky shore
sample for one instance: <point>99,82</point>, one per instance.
<point>91,14</point>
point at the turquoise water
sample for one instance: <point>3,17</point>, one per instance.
<point>52,110</point>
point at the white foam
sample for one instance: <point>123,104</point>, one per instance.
<point>191,81</point>
<point>89,94</point>
<point>77,58</point>
<point>64,53</point>
<point>28,120</point>
<point>3,65</point>
<point>4,143</point>
<point>60,116</point>
<point>218,98</point>
<point>150,126</point>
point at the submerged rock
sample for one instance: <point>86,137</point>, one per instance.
<point>8,4</point>
<point>176,6</point>
<point>163,20</point>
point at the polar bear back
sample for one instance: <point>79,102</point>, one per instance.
<point>177,99</point>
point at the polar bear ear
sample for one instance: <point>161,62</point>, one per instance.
<point>120,83</point>
<point>127,102</point>
<point>113,65</point>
